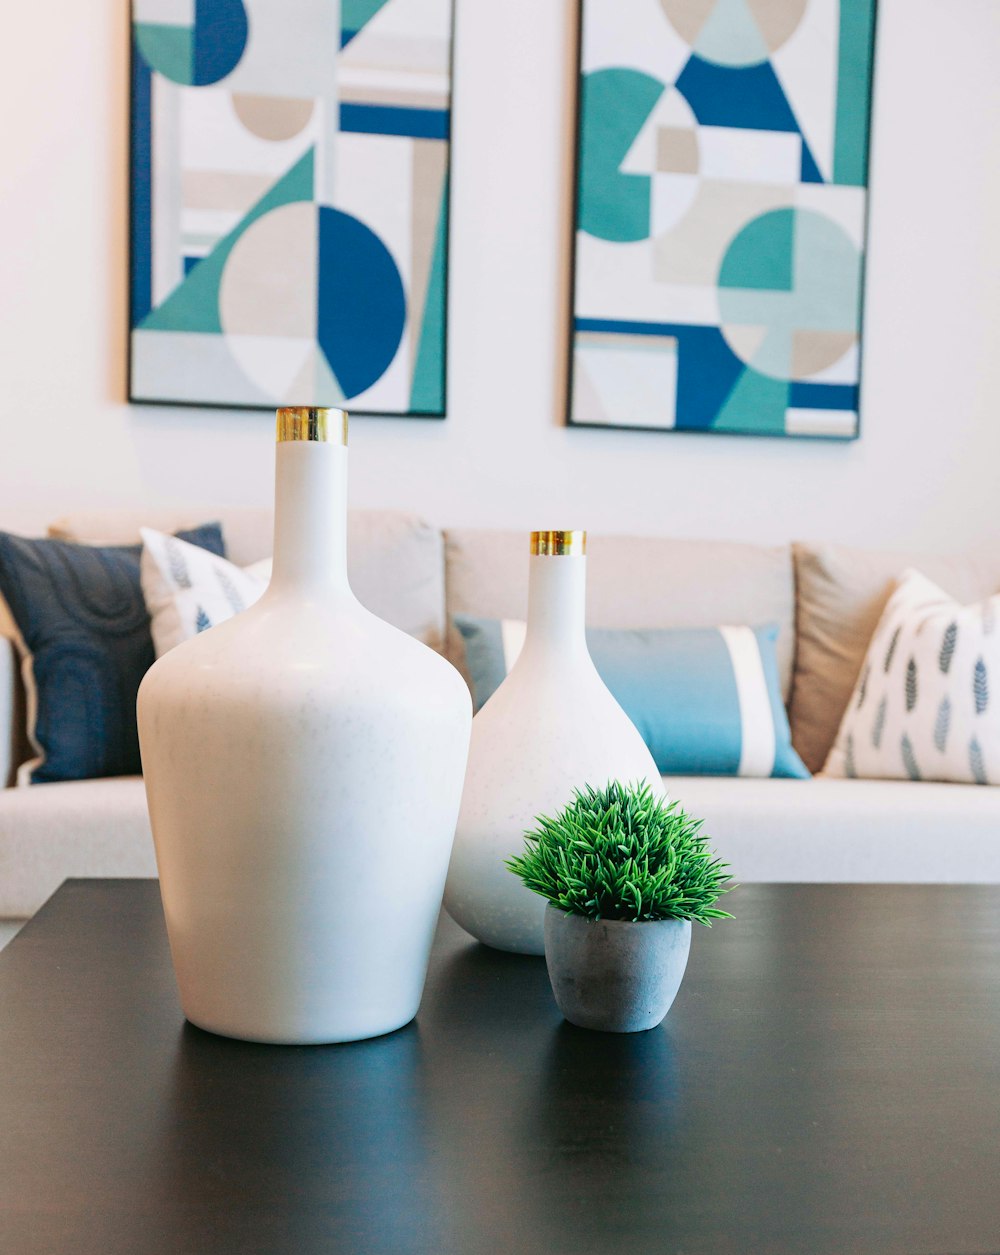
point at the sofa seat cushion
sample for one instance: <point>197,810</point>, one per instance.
<point>75,828</point>
<point>632,583</point>
<point>848,830</point>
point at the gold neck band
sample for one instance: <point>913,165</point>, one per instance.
<point>308,422</point>
<point>559,544</point>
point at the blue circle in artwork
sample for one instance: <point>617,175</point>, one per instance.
<point>361,304</point>
<point>220,37</point>
<point>199,52</point>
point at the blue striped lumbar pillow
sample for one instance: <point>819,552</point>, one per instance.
<point>707,701</point>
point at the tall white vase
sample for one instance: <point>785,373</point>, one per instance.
<point>304,765</point>
<point>550,728</point>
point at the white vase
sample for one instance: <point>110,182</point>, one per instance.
<point>304,765</point>
<point>550,728</point>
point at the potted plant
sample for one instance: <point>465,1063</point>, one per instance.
<point>625,872</point>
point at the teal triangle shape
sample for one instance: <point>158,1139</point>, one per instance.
<point>756,404</point>
<point>354,15</point>
<point>194,304</point>
<point>427,387</point>
<point>167,49</point>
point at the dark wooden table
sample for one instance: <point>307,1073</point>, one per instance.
<point>827,1081</point>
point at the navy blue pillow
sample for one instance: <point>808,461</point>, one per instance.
<point>81,615</point>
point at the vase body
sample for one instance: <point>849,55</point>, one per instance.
<point>304,765</point>
<point>550,728</point>
<point>614,975</point>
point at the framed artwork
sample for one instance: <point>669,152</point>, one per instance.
<point>289,203</point>
<point>722,162</point>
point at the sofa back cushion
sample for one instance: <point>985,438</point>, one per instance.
<point>396,561</point>
<point>84,642</point>
<point>841,594</point>
<point>631,583</point>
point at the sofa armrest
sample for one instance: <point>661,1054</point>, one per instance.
<point>11,712</point>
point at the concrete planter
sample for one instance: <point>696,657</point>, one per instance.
<point>614,975</point>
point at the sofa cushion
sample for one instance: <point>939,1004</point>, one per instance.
<point>77,828</point>
<point>705,700</point>
<point>188,590</point>
<point>395,560</point>
<point>248,533</point>
<point>83,636</point>
<point>646,583</point>
<point>927,702</point>
<point>841,593</point>
<point>769,830</point>
<point>848,830</point>
<point>12,739</point>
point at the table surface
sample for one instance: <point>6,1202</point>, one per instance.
<point>828,1080</point>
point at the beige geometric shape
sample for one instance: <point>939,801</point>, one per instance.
<point>272,117</point>
<point>744,341</point>
<point>692,252</point>
<point>687,17</point>
<point>302,389</point>
<point>272,363</point>
<point>636,383</point>
<point>406,53</point>
<point>813,351</point>
<point>777,20</point>
<point>269,283</point>
<point>165,12</point>
<point>229,190</point>
<point>676,150</point>
<point>430,164</point>
<point>419,97</point>
<point>587,405</point>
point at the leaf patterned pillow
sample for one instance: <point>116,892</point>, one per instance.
<point>926,705</point>
<point>187,589</point>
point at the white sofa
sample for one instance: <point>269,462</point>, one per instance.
<point>825,599</point>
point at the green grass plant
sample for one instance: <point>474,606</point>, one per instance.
<point>624,853</point>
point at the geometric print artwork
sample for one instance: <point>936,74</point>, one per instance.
<point>925,705</point>
<point>722,160</point>
<point>289,203</point>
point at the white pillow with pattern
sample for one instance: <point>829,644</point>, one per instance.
<point>927,702</point>
<point>188,589</point>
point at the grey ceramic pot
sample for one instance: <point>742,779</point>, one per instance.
<point>615,975</point>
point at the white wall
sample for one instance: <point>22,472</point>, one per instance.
<point>924,472</point>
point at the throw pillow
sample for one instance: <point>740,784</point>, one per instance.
<point>927,702</point>
<point>707,701</point>
<point>84,642</point>
<point>188,589</point>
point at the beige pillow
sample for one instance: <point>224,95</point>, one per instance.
<point>395,561</point>
<point>841,593</point>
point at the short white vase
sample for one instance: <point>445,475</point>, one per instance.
<point>550,728</point>
<point>304,766</point>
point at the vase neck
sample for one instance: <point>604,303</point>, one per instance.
<point>310,518</point>
<point>557,596</point>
